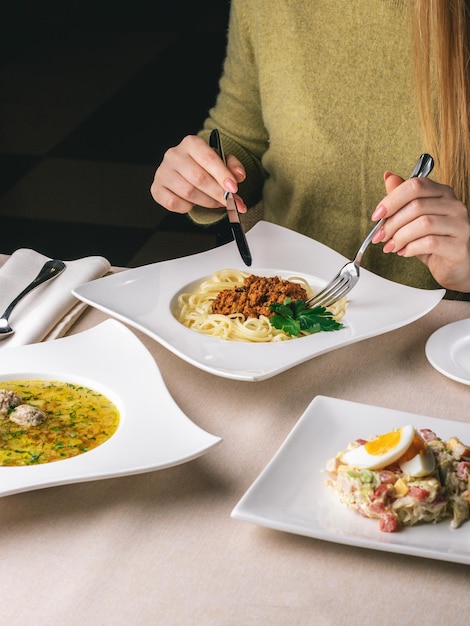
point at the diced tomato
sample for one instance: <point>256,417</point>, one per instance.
<point>388,522</point>
<point>379,492</point>
<point>377,507</point>
<point>378,498</point>
<point>419,493</point>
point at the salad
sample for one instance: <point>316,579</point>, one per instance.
<point>404,477</point>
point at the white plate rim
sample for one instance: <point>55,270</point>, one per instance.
<point>151,435</point>
<point>440,348</point>
<point>274,500</point>
<point>141,297</point>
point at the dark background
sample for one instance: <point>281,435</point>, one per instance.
<point>92,94</point>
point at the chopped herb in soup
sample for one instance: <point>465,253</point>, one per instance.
<point>43,421</point>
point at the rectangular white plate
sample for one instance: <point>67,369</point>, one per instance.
<point>290,494</point>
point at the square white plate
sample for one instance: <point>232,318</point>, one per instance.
<point>290,494</point>
<point>144,297</point>
<point>153,432</point>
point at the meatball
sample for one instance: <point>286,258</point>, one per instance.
<point>8,400</point>
<point>27,415</point>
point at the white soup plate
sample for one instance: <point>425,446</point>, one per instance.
<point>153,432</point>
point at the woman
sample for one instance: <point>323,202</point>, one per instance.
<point>317,100</point>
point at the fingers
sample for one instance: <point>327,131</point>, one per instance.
<point>442,230</point>
<point>401,193</point>
<point>425,219</point>
<point>424,235</point>
<point>410,210</point>
<point>392,181</point>
<point>191,173</point>
<point>236,168</point>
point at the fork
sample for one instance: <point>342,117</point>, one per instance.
<point>348,275</point>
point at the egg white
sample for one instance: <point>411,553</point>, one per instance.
<point>420,465</point>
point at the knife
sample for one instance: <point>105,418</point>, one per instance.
<point>232,209</point>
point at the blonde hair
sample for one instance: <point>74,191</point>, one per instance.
<point>441,42</point>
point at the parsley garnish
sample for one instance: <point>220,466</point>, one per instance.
<point>294,318</point>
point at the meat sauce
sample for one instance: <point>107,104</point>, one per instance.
<point>253,298</point>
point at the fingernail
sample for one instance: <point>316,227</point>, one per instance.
<point>389,246</point>
<point>379,235</point>
<point>379,212</point>
<point>241,173</point>
<point>230,185</point>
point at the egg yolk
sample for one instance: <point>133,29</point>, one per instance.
<point>384,443</point>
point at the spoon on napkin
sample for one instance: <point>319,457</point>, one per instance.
<point>50,270</point>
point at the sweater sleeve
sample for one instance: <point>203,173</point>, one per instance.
<point>237,112</point>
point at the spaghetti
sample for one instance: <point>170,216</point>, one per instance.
<point>195,311</point>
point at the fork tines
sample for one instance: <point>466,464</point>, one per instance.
<point>334,291</point>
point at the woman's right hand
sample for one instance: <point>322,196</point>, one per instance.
<point>192,173</point>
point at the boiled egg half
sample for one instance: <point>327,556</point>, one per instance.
<point>382,450</point>
<point>403,446</point>
<point>419,459</point>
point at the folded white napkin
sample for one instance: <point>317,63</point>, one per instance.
<point>50,309</point>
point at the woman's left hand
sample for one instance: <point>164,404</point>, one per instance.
<point>425,219</point>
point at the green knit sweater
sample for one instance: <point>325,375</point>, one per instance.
<point>317,100</point>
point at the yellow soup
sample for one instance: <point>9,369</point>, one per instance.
<point>78,419</point>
